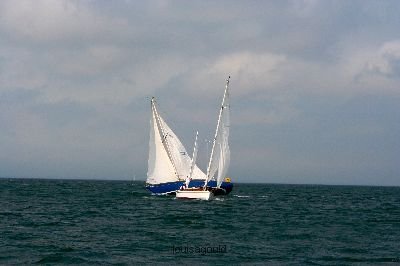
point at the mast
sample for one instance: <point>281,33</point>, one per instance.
<point>194,155</point>
<point>163,135</point>
<point>216,133</point>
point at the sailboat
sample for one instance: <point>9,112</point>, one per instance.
<point>219,158</point>
<point>193,192</point>
<point>169,164</point>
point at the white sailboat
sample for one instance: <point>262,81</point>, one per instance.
<point>193,192</point>
<point>219,158</point>
<point>220,153</point>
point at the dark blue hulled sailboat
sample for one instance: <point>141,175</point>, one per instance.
<point>170,165</point>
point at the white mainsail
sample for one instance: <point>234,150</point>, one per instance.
<point>220,154</point>
<point>168,159</point>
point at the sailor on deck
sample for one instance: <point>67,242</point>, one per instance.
<point>187,181</point>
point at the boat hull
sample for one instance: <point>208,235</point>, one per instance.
<point>194,194</point>
<point>172,187</point>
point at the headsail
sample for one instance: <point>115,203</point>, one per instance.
<point>168,159</point>
<point>220,154</point>
<point>160,167</point>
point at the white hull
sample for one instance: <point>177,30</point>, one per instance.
<point>194,194</point>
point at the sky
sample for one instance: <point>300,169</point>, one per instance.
<point>315,87</point>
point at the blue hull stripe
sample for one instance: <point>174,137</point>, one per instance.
<point>171,187</point>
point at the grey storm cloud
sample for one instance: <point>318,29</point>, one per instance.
<point>315,86</point>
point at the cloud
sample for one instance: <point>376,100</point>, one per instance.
<point>251,70</point>
<point>81,51</point>
<point>371,69</point>
<point>47,21</point>
<point>75,78</point>
<point>387,60</point>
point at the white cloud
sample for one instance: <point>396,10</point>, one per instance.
<point>251,70</point>
<point>387,60</point>
<point>106,56</point>
<point>49,21</point>
<point>370,69</point>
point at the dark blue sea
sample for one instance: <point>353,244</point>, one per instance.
<point>118,222</point>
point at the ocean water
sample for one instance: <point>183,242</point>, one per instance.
<point>115,222</point>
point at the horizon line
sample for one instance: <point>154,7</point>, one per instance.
<point>239,182</point>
